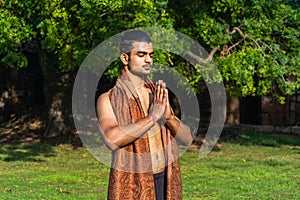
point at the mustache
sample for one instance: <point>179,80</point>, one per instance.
<point>147,65</point>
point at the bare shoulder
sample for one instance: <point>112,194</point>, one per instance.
<point>103,98</point>
<point>104,108</point>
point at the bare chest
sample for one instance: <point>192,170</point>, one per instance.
<point>144,95</point>
<point>155,140</point>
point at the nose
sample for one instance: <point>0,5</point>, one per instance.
<point>148,59</point>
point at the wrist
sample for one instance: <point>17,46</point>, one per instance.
<point>170,117</point>
<point>153,118</point>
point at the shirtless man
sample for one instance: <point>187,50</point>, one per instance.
<point>144,131</point>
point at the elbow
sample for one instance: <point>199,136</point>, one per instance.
<point>111,142</point>
<point>111,146</point>
<point>189,138</point>
<point>186,138</point>
<point>186,142</point>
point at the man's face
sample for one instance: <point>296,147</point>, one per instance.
<point>140,61</point>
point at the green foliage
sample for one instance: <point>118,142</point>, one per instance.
<point>257,42</point>
<point>14,30</point>
<point>71,29</point>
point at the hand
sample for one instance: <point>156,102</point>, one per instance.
<point>168,111</point>
<point>159,104</point>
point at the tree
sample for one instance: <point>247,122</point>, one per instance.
<point>14,31</point>
<point>63,33</point>
<point>254,43</point>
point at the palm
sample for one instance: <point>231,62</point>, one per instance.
<point>168,111</point>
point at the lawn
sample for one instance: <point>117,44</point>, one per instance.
<point>248,166</point>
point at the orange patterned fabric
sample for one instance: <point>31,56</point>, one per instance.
<point>131,174</point>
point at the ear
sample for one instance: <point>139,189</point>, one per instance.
<point>124,58</point>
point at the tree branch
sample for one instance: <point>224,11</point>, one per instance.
<point>199,59</point>
<point>227,49</point>
<point>239,30</point>
<point>256,43</point>
<point>212,53</point>
<point>234,45</point>
<point>236,28</point>
<point>194,56</point>
<point>108,13</point>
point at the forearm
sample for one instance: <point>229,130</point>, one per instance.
<point>120,136</point>
<point>179,130</point>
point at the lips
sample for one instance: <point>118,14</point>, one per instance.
<point>147,66</point>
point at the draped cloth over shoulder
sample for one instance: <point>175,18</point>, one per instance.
<point>131,175</point>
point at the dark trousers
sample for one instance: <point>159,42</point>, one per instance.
<point>160,185</point>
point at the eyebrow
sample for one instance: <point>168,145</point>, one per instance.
<point>144,52</point>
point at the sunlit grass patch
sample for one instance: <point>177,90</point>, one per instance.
<point>244,168</point>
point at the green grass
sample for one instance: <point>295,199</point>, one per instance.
<point>250,166</point>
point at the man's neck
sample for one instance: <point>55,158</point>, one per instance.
<point>137,81</point>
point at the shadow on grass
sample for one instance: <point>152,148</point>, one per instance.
<point>257,138</point>
<point>26,152</point>
<point>22,138</point>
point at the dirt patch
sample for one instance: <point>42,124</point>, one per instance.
<point>29,129</point>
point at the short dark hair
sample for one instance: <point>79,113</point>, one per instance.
<point>129,37</point>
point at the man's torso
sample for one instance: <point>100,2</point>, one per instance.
<point>154,134</point>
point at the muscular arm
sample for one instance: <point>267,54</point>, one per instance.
<point>117,136</point>
<point>180,130</point>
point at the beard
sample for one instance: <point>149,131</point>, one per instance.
<point>144,70</point>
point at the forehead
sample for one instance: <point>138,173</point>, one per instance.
<point>142,46</point>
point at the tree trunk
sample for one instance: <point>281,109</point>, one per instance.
<point>58,95</point>
<point>233,111</point>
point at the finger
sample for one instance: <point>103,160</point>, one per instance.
<point>156,93</point>
<point>167,95</point>
<point>162,92</point>
<point>166,91</point>
<point>157,90</point>
<point>163,86</point>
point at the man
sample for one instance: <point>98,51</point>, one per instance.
<point>139,126</point>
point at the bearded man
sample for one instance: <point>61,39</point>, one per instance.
<point>139,126</point>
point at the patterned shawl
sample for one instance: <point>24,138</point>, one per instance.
<point>131,175</point>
